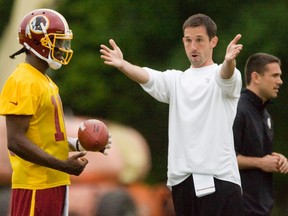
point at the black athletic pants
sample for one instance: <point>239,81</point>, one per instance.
<point>225,201</point>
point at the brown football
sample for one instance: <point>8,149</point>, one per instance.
<point>93,135</point>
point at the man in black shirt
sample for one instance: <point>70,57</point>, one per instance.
<point>253,134</point>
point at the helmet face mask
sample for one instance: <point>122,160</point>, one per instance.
<point>45,33</point>
<point>59,46</point>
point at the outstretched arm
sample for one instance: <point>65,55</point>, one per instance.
<point>114,57</point>
<point>229,64</point>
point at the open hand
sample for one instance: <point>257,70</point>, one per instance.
<point>114,56</point>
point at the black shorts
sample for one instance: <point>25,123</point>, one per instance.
<point>226,201</point>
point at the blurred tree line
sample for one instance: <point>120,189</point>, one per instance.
<point>5,11</point>
<point>150,34</point>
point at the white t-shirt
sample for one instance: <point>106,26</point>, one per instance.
<point>202,108</point>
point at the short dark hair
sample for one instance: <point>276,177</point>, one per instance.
<point>202,20</point>
<point>258,62</point>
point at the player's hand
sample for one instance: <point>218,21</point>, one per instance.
<point>233,49</point>
<point>112,57</point>
<point>108,146</point>
<point>75,164</point>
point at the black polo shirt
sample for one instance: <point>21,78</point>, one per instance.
<point>253,136</point>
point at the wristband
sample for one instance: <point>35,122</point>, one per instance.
<point>77,145</point>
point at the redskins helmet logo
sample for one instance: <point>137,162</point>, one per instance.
<point>39,24</point>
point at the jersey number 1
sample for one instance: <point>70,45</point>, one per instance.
<point>59,135</point>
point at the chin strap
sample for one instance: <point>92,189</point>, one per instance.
<point>52,64</point>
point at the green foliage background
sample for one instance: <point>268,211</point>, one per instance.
<point>149,33</point>
<point>5,11</point>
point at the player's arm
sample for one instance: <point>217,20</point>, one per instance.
<point>268,163</point>
<point>229,64</point>
<point>19,144</point>
<point>114,57</point>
